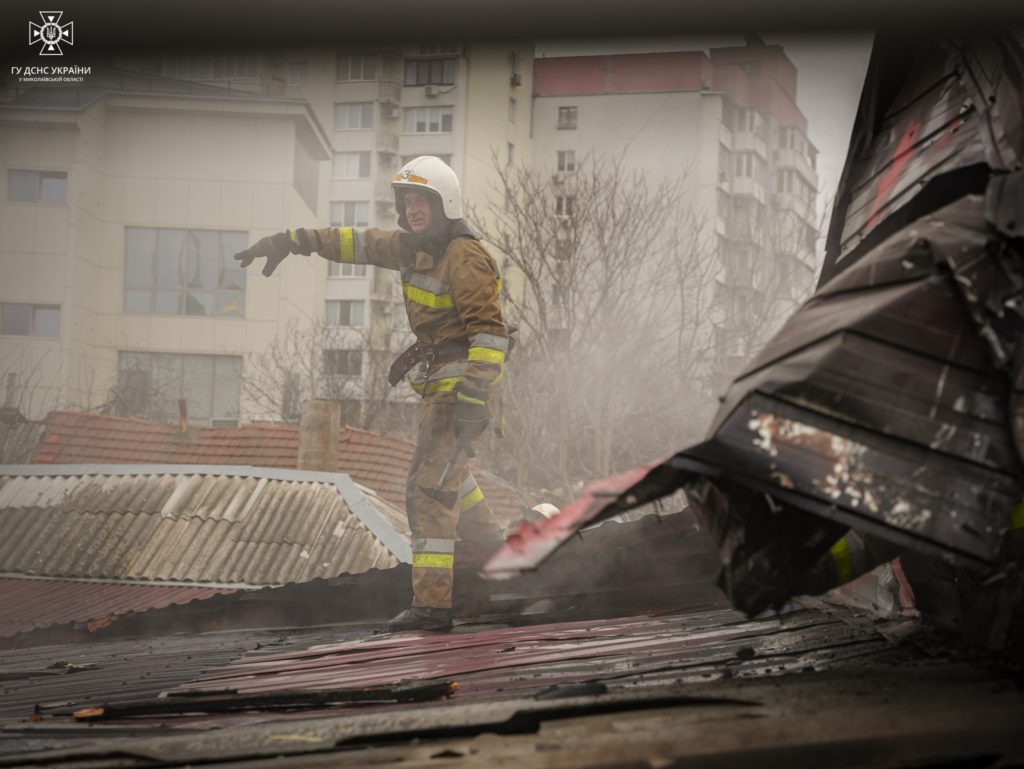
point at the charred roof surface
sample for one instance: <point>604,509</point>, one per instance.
<point>807,688</point>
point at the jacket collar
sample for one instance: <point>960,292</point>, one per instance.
<point>430,249</point>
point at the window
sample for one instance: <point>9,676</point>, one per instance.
<point>183,272</point>
<point>724,164</point>
<point>383,282</point>
<point>567,117</point>
<point>151,384</point>
<point>353,116</point>
<point>750,120</point>
<point>428,120</point>
<point>344,312</point>
<point>345,270</point>
<point>788,180</point>
<point>343,362</point>
<point>751,164</point>
<point>37,186</point>
<point>512,109</point>
<point>221,66</point>
<point>566,160</point>
<point>306,170</point>
<point>19,319</point>
<point>563,205</point>
<point>357,67</point>
<point>511,157</point>
<point>352,165</point>
<point>298,72</point>
<point>350,213</point>
<point>430,72</point>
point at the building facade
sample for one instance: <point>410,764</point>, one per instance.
<point>124,204</point>
<point>727,123</point>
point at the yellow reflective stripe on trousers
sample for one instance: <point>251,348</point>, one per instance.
<point>427,299</point>
<point>487,355</point>
<point>1017,516</point>
<point>475,497</point>
<point>438,385</point>
<point>433,561</point>
<point>346,246</point>
<point>840,552</point>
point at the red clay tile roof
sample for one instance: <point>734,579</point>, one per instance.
<point>379,462</point>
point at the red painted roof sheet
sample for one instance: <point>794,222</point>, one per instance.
<point>679,648</point>
<point>377,461</point>
<point>27,604</point>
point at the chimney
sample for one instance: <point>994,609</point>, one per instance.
<point>318,435</point>
<point>182,416</point>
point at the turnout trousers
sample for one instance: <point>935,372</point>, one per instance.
<point>435,526</point>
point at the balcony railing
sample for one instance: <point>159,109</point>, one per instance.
<point>748,141</point>
<point>789,158</point>
<point>748,185</point>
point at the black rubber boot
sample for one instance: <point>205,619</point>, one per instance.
<point>422,618</point>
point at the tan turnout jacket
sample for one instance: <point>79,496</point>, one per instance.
<point>455,296</point>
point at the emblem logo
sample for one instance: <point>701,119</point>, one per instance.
<point>51,33</point>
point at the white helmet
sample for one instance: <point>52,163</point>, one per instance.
<point>428,173</point>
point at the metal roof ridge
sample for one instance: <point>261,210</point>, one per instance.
<point>142,582</point>
<point>244,471</point>
<point>355,497</point>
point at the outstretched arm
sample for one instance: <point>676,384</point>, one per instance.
<point>380,248</point>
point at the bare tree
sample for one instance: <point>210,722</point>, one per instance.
<point>317,360</point>
<point>615,274</point>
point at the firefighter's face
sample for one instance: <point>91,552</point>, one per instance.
<point>417,212</point>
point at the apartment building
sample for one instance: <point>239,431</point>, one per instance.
<point>126,198</point>
<point>123,202</point>
<point>727,123</point>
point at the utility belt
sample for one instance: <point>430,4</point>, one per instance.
<point>431,355</point>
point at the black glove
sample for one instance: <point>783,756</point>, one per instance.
<point>275,247</point>
<point>471,413</point>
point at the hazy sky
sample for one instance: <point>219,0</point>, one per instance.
<point>830,74</point>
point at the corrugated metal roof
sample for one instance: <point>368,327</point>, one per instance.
<point>35,603</point>
<point>240,526</point>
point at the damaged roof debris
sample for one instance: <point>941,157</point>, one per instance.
<point>887,411</point>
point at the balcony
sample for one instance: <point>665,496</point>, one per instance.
<point>748,185</point>
<point>803,208</point>
<point>749,141</point>
<point>725,137</point>
<point>788,158</point>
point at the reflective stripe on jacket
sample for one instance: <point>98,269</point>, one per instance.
<point>454,296</point>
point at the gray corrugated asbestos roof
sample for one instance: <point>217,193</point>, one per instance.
<point>223,524</point>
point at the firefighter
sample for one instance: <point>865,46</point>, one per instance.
<point>452,298</point>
